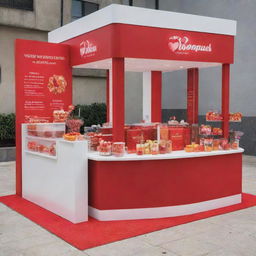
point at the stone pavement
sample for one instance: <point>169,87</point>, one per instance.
<point>232,234</point>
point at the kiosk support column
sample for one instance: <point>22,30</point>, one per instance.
<point>118,98</point>
<point>107,95</point>
<point>225,99</point>
<point>192,95</point>
<point>156,96</point>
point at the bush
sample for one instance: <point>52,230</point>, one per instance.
<point>7,128</point>
<point>95,113</point>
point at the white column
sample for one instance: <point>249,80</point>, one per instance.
<point>146,108</point>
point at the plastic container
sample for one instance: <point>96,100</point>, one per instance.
<point>118,149</point>
<point>162,147</point>
<point>105,148</point>
<point>155,148</point>
<point>94,141</point>
<point>168,146</point>
<point>46,130</point>
<point>140,149</point>
<point>216,144</point>
<point>235,144</point>
<point>74,125</point>
<point>164,132</point>
<point>60,116</point>
<point>223,144</point>
<point>41,146</point>
<point>208,145</point>
<point>147,148</point>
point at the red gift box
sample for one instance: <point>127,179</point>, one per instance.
<point>176,135</point>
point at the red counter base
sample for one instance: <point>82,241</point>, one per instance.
<point>163,188</point>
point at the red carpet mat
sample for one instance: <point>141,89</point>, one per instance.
<point>94,233</point>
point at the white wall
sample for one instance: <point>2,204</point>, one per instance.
<point>243,75</point>
<point>7,85</point>
<point>87,90</point>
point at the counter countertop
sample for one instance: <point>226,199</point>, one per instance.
<point>174,155</point>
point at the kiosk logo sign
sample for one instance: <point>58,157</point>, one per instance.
<point>181,45</point>
<point>87,49</point>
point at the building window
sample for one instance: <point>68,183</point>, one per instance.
<point>82,8</point>
<point>18,4</point>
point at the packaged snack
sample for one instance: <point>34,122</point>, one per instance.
<point>164,132</point>
<point>216,144</point>
<point>213,116</point>
<point>235,117</point>
<point>162,147</point>
<point>60,116</point>
<point>139,149</point>
<point>72,136</point>
<point>217,131</point>
<point>208,145</point>
<point>189,148</point>
<point>168,146</point>
<point>155,148</point>
<point>147,148</point>
<point>205,129</point>
<point>235,144</point>
<point>223,143</point>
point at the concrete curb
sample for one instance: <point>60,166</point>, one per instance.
<point>7,154</point>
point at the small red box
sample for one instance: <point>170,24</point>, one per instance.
<point>176,135</point>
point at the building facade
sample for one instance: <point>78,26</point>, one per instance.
<point>33,19</point>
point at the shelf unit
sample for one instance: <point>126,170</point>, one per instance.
<point>40,154</point>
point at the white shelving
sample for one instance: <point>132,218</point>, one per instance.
<point>40,154</point>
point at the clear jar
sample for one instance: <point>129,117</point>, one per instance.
<point>118,148</point>
<point>162,147</point>
<point>208,145</point>
<point>168,146</point>
<point>155,148</point>
<point>105,148</point>
<point>235,144</point>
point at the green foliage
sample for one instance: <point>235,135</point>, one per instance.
<point>92,114</point>
<point>7,126</point>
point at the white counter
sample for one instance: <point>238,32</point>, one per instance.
<point>174,155</point>
<point>57,183</point>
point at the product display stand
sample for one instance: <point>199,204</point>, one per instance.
<point>58,184</point>
<point>122,39</point>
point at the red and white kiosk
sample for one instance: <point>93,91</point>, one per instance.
<point>118,39</point>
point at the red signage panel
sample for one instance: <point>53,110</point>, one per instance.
<point>43,84</point>
<point>133,41</point>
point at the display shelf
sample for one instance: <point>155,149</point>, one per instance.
<point>210,135</point>
<point>71,142</point>
<point>42,138</point>
<point>40,154</point>
<point>214,121</point>
<point>174,155</point>
<point>220,121</point>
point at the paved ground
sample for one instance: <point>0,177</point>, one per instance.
<point>232,234</point>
